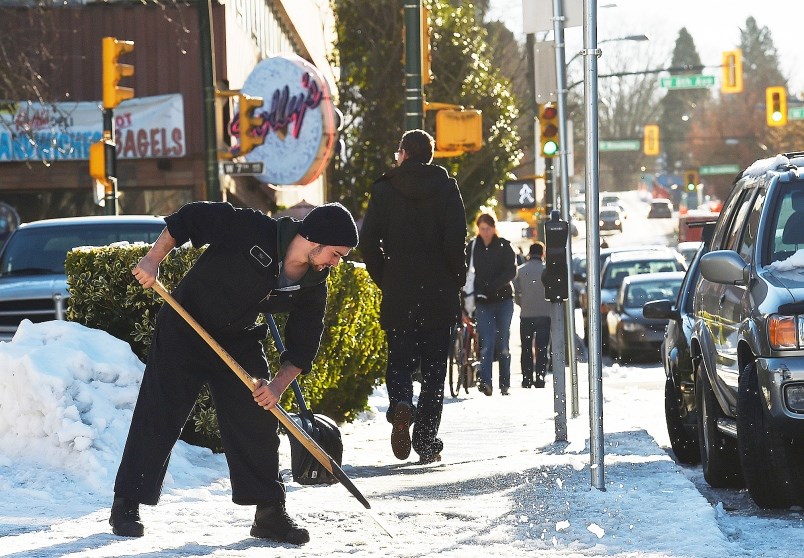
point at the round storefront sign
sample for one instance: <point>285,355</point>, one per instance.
<point>299,120</point>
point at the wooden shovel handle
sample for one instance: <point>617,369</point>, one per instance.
<point>298,433</point>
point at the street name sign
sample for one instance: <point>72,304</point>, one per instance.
<point>795,113</point>
<point>250,167</point>
<point>619,145</point>
<point>687,82</point>
<point>719,169</point>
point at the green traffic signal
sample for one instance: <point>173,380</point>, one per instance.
<point>690,187</point>
<point>549,149</point>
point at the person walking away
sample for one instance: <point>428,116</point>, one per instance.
<point>412,243</point>
<point>495,268</point>
<point>252,264</point>
<point>534,316</point>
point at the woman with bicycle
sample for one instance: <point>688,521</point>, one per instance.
<point>495,268</point>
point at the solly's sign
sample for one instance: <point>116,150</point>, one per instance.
<point>299,120</point>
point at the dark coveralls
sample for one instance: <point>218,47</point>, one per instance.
<point>234,280</point>
<point>412,242</point>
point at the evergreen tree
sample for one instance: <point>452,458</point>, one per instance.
<point>679,105</point>
<point>369,54</point>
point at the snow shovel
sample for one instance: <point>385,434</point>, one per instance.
<point>328,463</point>
<point>305,468</point>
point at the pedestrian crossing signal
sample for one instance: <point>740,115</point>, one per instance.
<point>519,194</point>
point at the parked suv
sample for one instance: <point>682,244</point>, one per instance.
<point>748,337</point>
<point>33,284</point>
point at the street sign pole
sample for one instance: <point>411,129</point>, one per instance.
<point>590,53</point>
<point>561,82</point>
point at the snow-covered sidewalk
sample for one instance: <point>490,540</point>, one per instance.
<point>504,485</point>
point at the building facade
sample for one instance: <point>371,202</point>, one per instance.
<point>161,148</point>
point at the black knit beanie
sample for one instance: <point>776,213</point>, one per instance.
<point>330,224</point>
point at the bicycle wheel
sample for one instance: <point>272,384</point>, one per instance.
<point>455,359</point>
<point>471,359</point>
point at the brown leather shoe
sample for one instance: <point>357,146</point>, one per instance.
<point>400,431</point>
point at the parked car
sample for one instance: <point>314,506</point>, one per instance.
<point>748,337</point>
<point>660,209</point>
<point>610,219</point>
<point>680,411</point>
<point>625,264</point>
<point>631,333</point>
<point>33,284</point>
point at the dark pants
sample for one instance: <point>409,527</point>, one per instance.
<point>538,329</point>
<point>407,351</point>
<point>179,364</point>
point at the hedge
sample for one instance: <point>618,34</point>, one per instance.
<point>350,363</point>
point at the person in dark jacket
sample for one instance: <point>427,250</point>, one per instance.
<point>252,264</point>
<point>495,268</point>
<point>412,243</point>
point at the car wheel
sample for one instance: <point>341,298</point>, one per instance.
<point>683,439</point>
<point>770,460</point>
<point>719,459</point>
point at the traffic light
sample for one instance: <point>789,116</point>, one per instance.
<point>650,138</point>
<point>690,180</point>
<point>114,71</point>
<point>248,123</point>
<point>426,52</point>
<point>556,275</point>
<point>97,161</point>
<point>732,81</point>
<point>776,106</point>
<point>459,130</point>
<point>548,129</point>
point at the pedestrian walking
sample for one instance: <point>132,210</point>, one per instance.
<point>495,268</point>
<point>252,264</point>
<point>534,317</point>
<point>412,243</point>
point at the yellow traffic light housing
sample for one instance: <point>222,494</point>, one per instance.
<point>732,80</point>
<point>248,123</point>
<point>776,106</point>
<point>113,72</point>
<point>426,52</point>
<point>548,128</point>
<point>98,165</point>
<point>459,130</point>
<point>650,139</point>
<point>691,180</point>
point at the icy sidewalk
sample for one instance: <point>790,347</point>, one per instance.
<point>504,486</point>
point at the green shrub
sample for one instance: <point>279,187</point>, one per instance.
<point>351,361</point>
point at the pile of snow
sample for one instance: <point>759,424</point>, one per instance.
<point>793,263</point>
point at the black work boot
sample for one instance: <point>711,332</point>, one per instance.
<point>125,518</point>
<point>272,522</point>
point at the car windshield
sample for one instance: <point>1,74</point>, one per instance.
<point>617,271</point>
<point>639,294</point>
<point>788,236</point>
<point>42,250</point>
<point>609,214</point>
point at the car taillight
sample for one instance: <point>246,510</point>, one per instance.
<point>784,332</point>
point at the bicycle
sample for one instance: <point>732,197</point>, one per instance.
<point>464,355</point>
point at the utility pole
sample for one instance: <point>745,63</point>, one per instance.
<point>207,47</point>
<point>414,99</point>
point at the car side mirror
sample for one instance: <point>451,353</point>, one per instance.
<point>725,267</point>
<point>660,310</point>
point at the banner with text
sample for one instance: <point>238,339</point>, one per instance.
<point>145,128</point>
